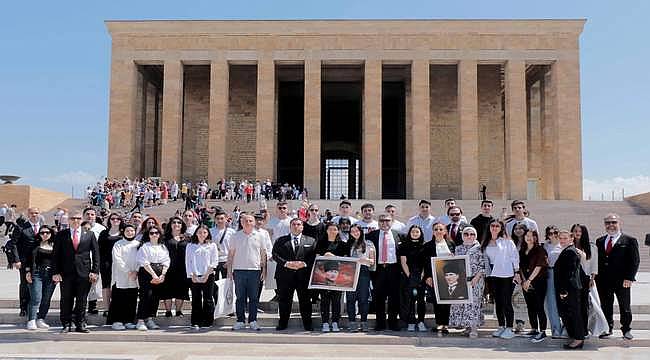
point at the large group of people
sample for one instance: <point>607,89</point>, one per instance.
<point>562,278</point>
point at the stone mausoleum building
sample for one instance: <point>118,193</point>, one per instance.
<point>368,108</point>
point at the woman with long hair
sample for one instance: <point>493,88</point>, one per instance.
<point>107,239</point>
<point>589,262</point>
<point>519,307</point>
<point>38,273</point>
<point>365,251</point>
<point>440,245</point>
<point>533,262</point>
<point>177,285</point>
<point>201,258</point>
<point>412,260</point>
<point>124,280</point>
<point>553,250</point>
<point>331,245</point>
<point>153,262</point>
<point>568,286</point>
<point>504,268</point>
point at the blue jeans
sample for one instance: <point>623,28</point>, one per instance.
<point>551,305</point>
<point>40,292</point>
<point>361,295</point>
<point>246,285</point>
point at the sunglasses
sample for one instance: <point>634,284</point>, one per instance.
<point>455,214</point>
<point>154,233</point>
<point>75,218</point>
<point>282,207</point>
<point>45,233</point>
<point>313,210</point>
<point>469,234</point>
<point>611,222</point>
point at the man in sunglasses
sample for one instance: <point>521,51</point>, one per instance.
<point>76,267</point>
<point>618,263</point>
<point>279,225</point>
<point>24,240</point>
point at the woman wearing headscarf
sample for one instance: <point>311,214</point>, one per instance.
<point>124,279</point>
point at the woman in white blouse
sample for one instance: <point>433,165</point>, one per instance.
<point>504,270</point>
<point>201,258</point>
<point>124,270</point>
<point>153,262</point>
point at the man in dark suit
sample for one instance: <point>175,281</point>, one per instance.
<point>618,263</point>
<point>75,266</point>
<point>294,255</point>
<point>456,225</point>
<point>24,240</point>
<point>455,285</point>
<point>387,276</point>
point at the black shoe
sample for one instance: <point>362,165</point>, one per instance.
<point>434,329</point>
<point>380,327</point>
<point>168,313</point>
<point>105,314</point>
<point>179,313</point>
<point>22,313</point>
<point>575,347</point>
<point>309,328</point>
<point>82,329</point>
<point>66,329</point>
<point>281,327</point>
<point>92,307</point>
<point>445,331</point>
<point>605,335</point>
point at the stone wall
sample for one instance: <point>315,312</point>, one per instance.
<point>25,196</point>
<point>491,131</point>
<point>196,116</point>
<point>445,132</point>
<point>242,123</point>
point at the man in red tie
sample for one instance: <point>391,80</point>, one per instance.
<point>75,265</point>
<point>386,278</point>
<point>618,263</point>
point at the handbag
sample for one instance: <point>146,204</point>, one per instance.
<point>226,298</point>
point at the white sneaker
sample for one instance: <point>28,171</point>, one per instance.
<point>498,332</point>
<point>335,327</point>
<point>130,326</point>
<point>411,327</point>
<point>239,325</point>
<point>41,324</point>
<point>507,334</point>
<point>422,327</point>
<point>195,328</point>
<point>253,326</point>
<point>31,325</point>
<point>326,327</point>
<point>151,325</point>
<point>118,326</point>
<point>141,326</point>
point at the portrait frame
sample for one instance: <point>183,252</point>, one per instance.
<point>348,269</point>
<point>463,289</point>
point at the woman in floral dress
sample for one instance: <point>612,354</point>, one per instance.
<point>470,316</point>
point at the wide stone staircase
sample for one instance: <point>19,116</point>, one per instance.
<point>560,213</point>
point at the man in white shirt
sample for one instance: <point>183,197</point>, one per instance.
<point>221,235</point>
<point>247,265</point>
<point>345,211</point>
<point>387,274</point>
<point>519,209</point>
<point>424,220</point>
<point>398,226</point>
<point>445,219</point>
<point>280,225</point>
<point>367,223</point>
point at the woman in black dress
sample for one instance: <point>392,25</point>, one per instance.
<point>412,259</point>
<point>568,286</point>
<point>106,241</point>
<point>177,285</point>
<point>441,245</point>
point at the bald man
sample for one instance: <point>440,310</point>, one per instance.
<point>24,238</point>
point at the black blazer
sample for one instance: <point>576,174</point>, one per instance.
<point>24,242</point>
<point>430,251</point>
<point>374,237</point>
<point>567,271</point>
<point>283,252</point>
<point>82,262</point>
<point>622,263</point>
<point>459,233</point>
<point>460,291</point>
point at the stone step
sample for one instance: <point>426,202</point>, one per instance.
<point>641,322</point>
<point>268,335</point>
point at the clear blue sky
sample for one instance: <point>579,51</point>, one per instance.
<point>54,75</point>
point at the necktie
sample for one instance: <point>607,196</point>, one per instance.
<point>384,248</point>
<point>453,231</point>
<point>610,245</point>
<point>75,239</point>
<point>451,289</point>
<point>35,229</point>
<point>295,243</point>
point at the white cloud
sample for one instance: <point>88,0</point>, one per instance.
<point>597,189</point>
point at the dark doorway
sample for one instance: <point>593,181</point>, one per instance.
<point>341,109</point>
<point>291,99</point>
<point>393,128</point>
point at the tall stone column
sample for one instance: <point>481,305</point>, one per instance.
<point>170,165</point>
<point>371,130</point>
<point>468,114</point>
<point>265,155</point>
<point>549,140</point>
<point>217,127</point>
<point>122,119</point>
<point>566,112</point>
<point>418,156</point>
<point>312,139</point>
<point>516,130</point>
